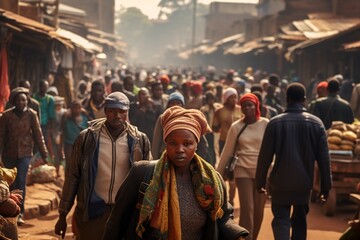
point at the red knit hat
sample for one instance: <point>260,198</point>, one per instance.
<point>165,79</point>
<point>322,84</point>
<point>196,87</point>
<point>253,98</point>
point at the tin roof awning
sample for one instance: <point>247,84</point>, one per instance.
<point>22,24</point>
<point>352,46</point>
<point>311,42</point>
<point>253,45</point>
<point>66,9</point>
<point>79,41</point>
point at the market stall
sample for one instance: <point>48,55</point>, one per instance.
<point>344,149</point>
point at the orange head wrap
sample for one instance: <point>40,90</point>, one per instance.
<point>176,117</point>
<point>253,98</point>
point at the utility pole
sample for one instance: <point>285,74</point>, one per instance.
<point>193,33</point>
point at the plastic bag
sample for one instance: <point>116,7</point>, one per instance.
<point>43,174</point>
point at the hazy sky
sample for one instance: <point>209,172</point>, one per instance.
<point>149,7</point>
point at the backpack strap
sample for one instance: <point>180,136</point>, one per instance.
<point>145,183</point>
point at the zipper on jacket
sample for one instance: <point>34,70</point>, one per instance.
<point>113,167</point>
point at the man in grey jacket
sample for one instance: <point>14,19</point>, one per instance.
<point>102,157</point>
<point>297,139</point>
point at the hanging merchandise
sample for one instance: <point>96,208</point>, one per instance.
<point>4,78</point>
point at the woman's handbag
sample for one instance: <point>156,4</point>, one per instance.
<point>230,165</point>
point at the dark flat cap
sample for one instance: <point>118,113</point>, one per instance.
<point>117,100</point>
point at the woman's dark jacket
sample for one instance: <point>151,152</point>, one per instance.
<point>125,214</point>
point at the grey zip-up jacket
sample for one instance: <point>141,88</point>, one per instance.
<point>81,170</point>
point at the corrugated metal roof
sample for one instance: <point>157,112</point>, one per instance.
<point>79,41</point>
<point>63,8</point>
<point>352,45</point>
<point>291,50</point>
<point>321,28</point>
<point>27,24</point>
<point>238,49</point>
<point>292,37</point>
<point>317,28</point>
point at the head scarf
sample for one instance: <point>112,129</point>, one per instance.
<point>176,117</point>
<point>229,92</point>
<point>322,84</point>
<point>196,87</point>
<point>165,79</point>
<point>253,98</point>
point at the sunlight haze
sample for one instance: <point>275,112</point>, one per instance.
<point>150,8</point>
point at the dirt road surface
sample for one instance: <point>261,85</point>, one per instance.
<point>320,227</point>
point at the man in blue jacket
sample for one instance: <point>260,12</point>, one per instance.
<point>297,139</point>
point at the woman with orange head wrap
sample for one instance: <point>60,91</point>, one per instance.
<point>184,197</point>
<point>247,148</point>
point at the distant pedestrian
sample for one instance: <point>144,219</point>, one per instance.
<point>47,113</point>
<point>73,122</point>
<point>94,104</point>
<point>247,146</point>
<point>32,103</point>
<point>333,107</point>
<point>294,141</point>
<point>19,131</point>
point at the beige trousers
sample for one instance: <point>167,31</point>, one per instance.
<point>252,205</point>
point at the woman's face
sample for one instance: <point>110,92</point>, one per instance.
<point>181,146</point>
<point>248,108</point>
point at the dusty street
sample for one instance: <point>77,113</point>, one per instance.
<point>320,227</point>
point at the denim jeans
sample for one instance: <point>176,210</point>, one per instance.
<point>282,221</point>
<point>22,165</point>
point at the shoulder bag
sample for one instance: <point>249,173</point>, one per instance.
<point>230,165</point>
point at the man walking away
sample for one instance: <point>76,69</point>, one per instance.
<point>297,139</point>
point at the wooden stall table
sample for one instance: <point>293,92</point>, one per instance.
<point>345,175</point>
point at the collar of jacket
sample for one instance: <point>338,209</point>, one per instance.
<point>333,95</point>
<point>96,124</point>
<point>295,107</point>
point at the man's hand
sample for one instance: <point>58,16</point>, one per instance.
<point>323,197</point>
<point>262,190</point>
<point>60,226</point>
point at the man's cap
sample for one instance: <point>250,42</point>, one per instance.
<point>16,91</point>
<point>117,100</point>
<point>176,96</point>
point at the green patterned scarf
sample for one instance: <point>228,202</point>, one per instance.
<point>160,206</point>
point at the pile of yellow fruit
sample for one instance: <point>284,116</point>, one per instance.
<point>343,136</point>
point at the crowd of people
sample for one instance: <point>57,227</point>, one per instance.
<point>190,124</point>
